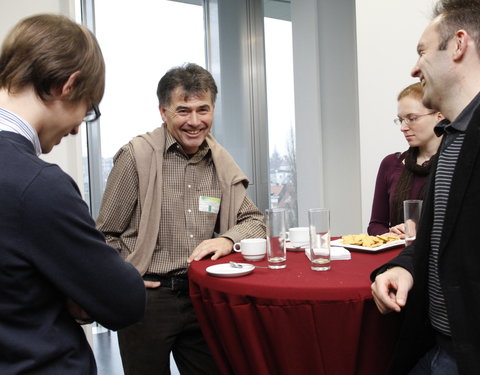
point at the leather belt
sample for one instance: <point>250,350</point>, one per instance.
<point>175,283</point>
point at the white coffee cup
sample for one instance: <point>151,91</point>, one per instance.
<point>252,249</point>
<point>298,236</point>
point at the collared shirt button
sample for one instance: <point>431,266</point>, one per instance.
<point>189,186</point>
<point>189,210</point>
<point>191,236</point>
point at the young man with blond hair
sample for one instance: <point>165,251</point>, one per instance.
<point>55,268</point>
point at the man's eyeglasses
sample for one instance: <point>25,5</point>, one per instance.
<point>410,118</point>
<point>93,114</point>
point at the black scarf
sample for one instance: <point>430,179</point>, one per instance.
<point>402,191</point>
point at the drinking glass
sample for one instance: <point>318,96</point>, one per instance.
<point>319,224</point>
<point>412,210</point>
<point>275,220</point>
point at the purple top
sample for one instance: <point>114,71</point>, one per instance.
<point>387,179</point>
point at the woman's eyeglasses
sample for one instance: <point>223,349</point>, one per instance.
<point>410,118</point>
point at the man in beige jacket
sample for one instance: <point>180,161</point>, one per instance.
<point>174,196</point>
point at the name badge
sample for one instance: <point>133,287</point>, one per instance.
<point>209,204</point>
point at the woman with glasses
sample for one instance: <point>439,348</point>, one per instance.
<point>403,175</point>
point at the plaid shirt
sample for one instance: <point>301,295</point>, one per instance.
<point>184,222</point>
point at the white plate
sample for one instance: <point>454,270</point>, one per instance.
<point>226,270</point>
<point>388,245</point>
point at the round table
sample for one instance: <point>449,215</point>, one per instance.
<point>295,320</point>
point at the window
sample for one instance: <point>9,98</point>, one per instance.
<point>281,113</point>
<point>140,41</point>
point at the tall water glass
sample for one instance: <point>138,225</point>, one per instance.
<point>319,224</point>
<point>275,220</point>
<point>412,210</point>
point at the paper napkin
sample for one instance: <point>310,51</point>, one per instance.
<point>336,253</point>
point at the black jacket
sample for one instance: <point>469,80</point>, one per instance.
<point>459,267</point>
<point>51,251</point>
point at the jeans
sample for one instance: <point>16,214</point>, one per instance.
<point>436,362</point>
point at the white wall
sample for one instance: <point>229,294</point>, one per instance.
<point>345,101</point>
<point>68,155</point>
<point>387,35</point>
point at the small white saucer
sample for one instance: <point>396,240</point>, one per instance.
<point>290,247</point>
<point>226,270</point>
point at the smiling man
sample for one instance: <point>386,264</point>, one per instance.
<point>175,196</point>
<point>436,280</point>
<point>55,268</point>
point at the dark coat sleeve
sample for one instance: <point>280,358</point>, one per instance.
<point>404,260</point>
<point>63,244</point>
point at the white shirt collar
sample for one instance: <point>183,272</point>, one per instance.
<point>12,123</point>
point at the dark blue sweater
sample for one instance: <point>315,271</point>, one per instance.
<point>49,251</point>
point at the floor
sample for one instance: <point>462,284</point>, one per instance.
<point>107,355</point>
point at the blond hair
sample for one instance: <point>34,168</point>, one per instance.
<point>415,90</point>
<point>43,51</point>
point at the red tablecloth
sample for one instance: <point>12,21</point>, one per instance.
<point>295,321</point>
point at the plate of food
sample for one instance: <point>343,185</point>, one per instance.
<point>364,242</point>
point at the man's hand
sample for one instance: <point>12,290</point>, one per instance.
<point>390,289</point>
<point>219,247</point>
<point>151,284</point>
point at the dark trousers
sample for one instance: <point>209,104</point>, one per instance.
<point>169,325</point>
<point>436,362</point>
